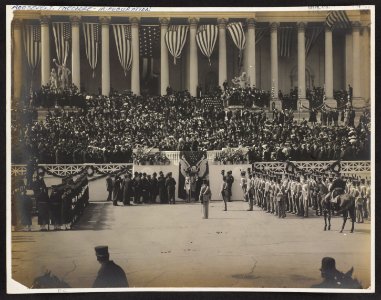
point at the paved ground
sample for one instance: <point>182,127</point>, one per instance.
<point>172,246</point>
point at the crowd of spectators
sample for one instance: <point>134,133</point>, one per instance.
<point>107,129</point>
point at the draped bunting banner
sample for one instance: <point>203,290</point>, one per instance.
<point>175,39</point>
<point>206,38</point>
<point>284,41</point>
<point>259,34</point>
<point>32,45</point>
<point>62,35</point>
<point>311,36</point>
<point>149,42</point>
<point>338,19</point>
<point>238,36</point>
<point>122,34</point>
<point>91,34</point>
<point>149,38</point>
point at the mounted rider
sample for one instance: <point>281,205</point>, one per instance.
<point>337,188</point>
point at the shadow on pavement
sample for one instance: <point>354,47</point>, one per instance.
<point>96,217</point>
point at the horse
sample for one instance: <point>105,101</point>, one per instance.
<point>325,207</point>
<point>47,281</point>
<point>346,205</point>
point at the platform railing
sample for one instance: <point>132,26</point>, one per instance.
<point>347,167</point>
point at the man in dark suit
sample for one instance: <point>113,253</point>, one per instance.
<point>145,184</point>
<point>161,188</point>
<point>154,187</point>
<point>170,184</point>
<point>109,185</point>
<point>110,274</point>
<point>127,189</point>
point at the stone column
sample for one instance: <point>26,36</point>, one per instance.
<point>105,23</point>
<point>274,63</point>
<point>348,59</point>
<point>302,64</point>
<point>193,70</point>
<point>75,51</point>
<point>135,72</point>
<point>222,65</point>
<point>164,67</point>
<point>17,80</point>
<point>366,66</point>
<point>45,50</point>
<point>251,50</point>
<point>356,99</point>
<point>328,74</point>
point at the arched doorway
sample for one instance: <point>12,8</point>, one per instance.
<point>310,76</point>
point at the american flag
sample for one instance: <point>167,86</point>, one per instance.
<point>62,35</point>
<point>312,35</point>
<point>32,46</point>
<point>285,35</point>
<point>338,19</point>
<point>122,35</point>
<point>91,36</point>
<point>149,41</point>
<point>193,157</point>
<point>206,38</point>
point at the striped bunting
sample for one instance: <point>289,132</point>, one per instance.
<point>206,38</point>
<point>175,39</point>
<point>122,34</point>
<point>238,36</point>
<point>61,32</point>
<point>312,35</point>
<point>338,19</point>
<point>91,34</point>
<point>32,45</point>
<point>284,41</point>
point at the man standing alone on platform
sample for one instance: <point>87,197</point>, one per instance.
<point>205,195</point>
<point>225,192</point>
<point>230,181</point>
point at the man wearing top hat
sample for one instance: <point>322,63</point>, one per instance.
<point>110,274</point>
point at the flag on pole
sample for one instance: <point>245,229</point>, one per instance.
<point>91,35</point>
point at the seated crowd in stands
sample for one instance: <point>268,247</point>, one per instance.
<point>107,129</point>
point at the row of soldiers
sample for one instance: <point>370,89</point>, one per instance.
<point>141,188</point>
<point>61,205</point>
<point>295,194</point>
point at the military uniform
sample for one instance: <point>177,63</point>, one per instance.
<point>110,274</point>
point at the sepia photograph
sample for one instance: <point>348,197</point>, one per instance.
<point>190,149</point>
